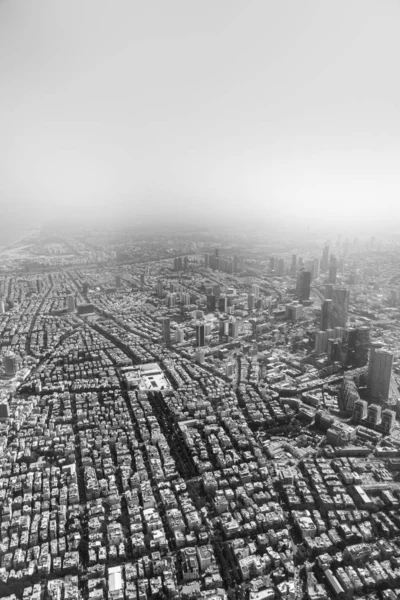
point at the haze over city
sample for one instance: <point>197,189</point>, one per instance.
<point>199,300</point>
<point>202,112</point>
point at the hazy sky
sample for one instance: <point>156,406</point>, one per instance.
<point>189,108</point>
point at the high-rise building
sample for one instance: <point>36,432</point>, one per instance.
<point>223,328</point>
<point>206,260</point>
<point>10,363</point>
<point>118,281</point>
<point>4,410</point>
<point>349,393</point>
<point>2,307</point>
<point>280,267</point>
<point>293,266</point>
<point>294,311</point>
<point>321,342</point>
<point>379,373</point>
<point>71,303</point>
<point>332,270</point>
<point>326,314</point>
<point>325,259</point>
<point>200,334</point>
<point>200,356</point>
<point>328,291</point>
<point>160,288</point>
<point>179,336</point>
<point>171,300</point>
<point>251,301</point>
<point>178,263</point>
<point>211,303</point>
<point>334,350</point>
<point>213,262</point>
<point>340,306</point>
<point>186,263</point>
<point>272,263</point>
<point>166,329</point>
<point>315,268</point>
<point>255,289</point>
<point>185,298</point>
<point>233,329</point>
<point>360,410</point>
<point>216,289</point>
<point>358,342</point>
<point>388,420</point>
<point>303,285</point>
<point>142,280</point>
<point>241,263</point>
<point>223,304</point>
<point>229,369</point>
<point>374,414</point>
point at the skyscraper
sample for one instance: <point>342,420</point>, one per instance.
<point>358,343</point>
<point>332,270</point>
<point>251,299</point>
<point>4,410</point>
<point>326,315</point>
<point>178,263</point>
<point>340,306</point>
<point>206,260</point>
<point>233,329</point>
<point>388,420</point>
<point>211,303</point>
<point>213,262</point>
<point>315,269</point>
<point>328,291</point>
<point>255,289</point>
<point>216,289</point>
<point>160,288</point>
<point>223,304</point>
<point>360,410</point>
<point>166,330</point>
<point>293,266</point>
<point>325,259</point>
<point>374,414</point>
<point>185,299</point>
<point>223,328</point>
<point>200,334</point>
<point>303,285</point>
<point>379,373</point>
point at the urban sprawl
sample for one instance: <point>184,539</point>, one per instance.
<point>199,416</point>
